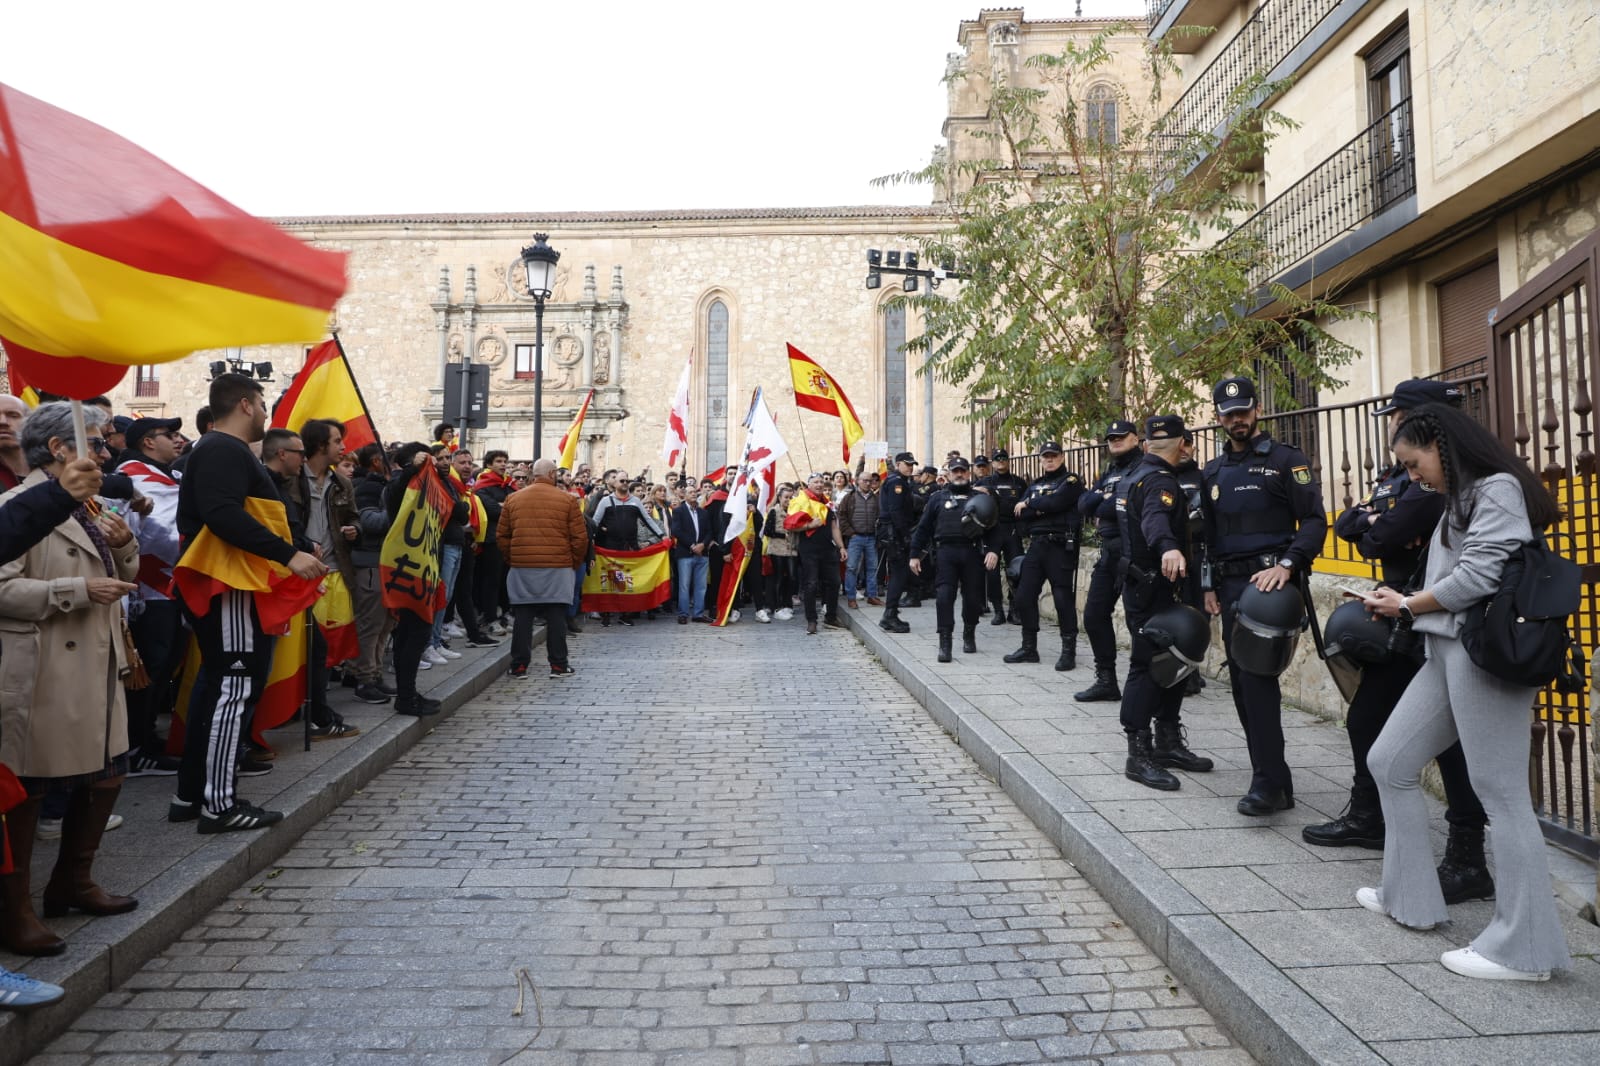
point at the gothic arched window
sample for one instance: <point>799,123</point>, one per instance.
<point>1100,114</point>
<point>716,385</point>
<point>894,376</point>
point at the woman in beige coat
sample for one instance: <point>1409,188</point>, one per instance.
<point>63,719</point>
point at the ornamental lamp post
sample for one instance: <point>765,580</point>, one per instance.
<point>539,262</point>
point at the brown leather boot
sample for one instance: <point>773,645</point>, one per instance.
<point>71,886</point>
<point>20,929</point>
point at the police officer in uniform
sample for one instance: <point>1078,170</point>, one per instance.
<point>922,582</point>
<point>1392,524</point>
<point>1192,484</point>
<point>896,516</point>
<point>1049,512</point>
<point>1153,517</point>
<point>1264,526</point>
<point>961,557</point>
<point>1007,490</point>
<point>1099,505</point>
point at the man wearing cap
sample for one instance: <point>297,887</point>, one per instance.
<point>1007,490</point>
<point>1049,511</point>
<point>1153,516</point>
<point>895,519</point>
<point>1391,524</point>
<point>1264,526</point>
<point>1098,505</point>
<point>154,618</point>
<point>961,558</point>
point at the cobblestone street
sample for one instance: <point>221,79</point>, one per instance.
<point>745,847</point>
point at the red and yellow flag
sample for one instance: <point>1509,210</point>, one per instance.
<point>629,581</point>
<point>286,685</point>
<point>326,388</point>
<point>335,614</point>
<point>408,566</point>
<point>111,258</point>
<point>569,443</point>
<point>740,548</point>
<point>209,565</point>
<point>815,390</point>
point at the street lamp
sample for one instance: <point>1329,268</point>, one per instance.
<point>539,262</point>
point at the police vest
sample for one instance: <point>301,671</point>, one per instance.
<point>1151,483</point>
<point>1062,521</point>
<point>1249,501</point>
<point>1191,482</point>
<point>951,505</point>
<point>1398,564</point>
<point>894,502</point>
<point>1120,468</point>
<point>1007,490</point>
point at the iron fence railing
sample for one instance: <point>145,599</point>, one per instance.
<point>1157,8</point>
<point>1266,40</point>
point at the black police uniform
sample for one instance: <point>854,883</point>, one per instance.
<point>1050,518</point>
<point>1191,482</point>
<point>1099,505</point>
<point>922,584</point>
<point>1262,506</point>
<point>895,519</point>
<point>960,561</point>
<point>1007,490</point>
<point>1153,518</point>
<point>1406,514</point>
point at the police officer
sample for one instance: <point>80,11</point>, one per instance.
<point>1391,524</point>
<point>896,516</point>
<point>1153,518</point>
<point>961,557</point>
<point>1191,484</point>
<point>1049,512</point>
<point>1007,490</point>
<point>1264,526</point>
<point>922,583</point>
<point>1105,582</point>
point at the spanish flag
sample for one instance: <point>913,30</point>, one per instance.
<point>110,258</point>
<point>326,388</point>
<point>210,564</point>
<point>408,566</point>
<point>815,390</point>
<point>733,571</point>
<point>804,509</point>
<point>629,581</point>
<point>335,614</point>
<point>569,443</point>
<point>287,682</point>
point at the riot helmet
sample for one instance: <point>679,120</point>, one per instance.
<point>1014,570</point>
<point>1357,633</point>
<point>979,515</point>
<point>1181,634</point>
<point>1267,629</point>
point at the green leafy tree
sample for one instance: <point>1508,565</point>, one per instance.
<point>1091,284</point>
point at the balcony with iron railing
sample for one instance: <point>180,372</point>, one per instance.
<point>1202,14</point>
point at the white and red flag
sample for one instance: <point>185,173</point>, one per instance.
<point>676,443</point>
<point>763,447</point>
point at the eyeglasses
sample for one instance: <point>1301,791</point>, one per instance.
<point>97,444</point>
<point>293,451</point>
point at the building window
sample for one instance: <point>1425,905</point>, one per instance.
<point>1100,114</point>
<point>147,381</point>
<point>1389,112</point>
<point>716,385</point>
<point>522,365</point>
<point>1465,302</point>
<point>894,376</point>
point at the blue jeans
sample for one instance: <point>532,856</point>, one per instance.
<point>577,590</point>
<point>692,585</point>
<point>449,567</point>
<point>861,547</point>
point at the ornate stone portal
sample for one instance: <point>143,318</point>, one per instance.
<point>583,348</point>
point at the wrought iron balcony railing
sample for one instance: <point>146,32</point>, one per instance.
<point>1157,9</point>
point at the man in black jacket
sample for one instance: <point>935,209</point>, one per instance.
<point>374,623</point>
<point>1049,513</point>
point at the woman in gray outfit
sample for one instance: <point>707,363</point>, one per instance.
<point>1494,505</point>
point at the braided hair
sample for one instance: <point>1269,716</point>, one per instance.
<point>1468,452</point>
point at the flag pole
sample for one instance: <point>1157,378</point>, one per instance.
<point>800,420</point>
<point>376,436</point>
<point>311,621</point>
<point>80,436</point>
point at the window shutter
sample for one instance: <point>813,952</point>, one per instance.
<point>1464,305</point>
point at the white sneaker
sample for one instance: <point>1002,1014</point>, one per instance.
<point>434,655</point>
<point>49,829</point>
<point>784,614</point>
<point>424,664</point>
<point>449,653</point>
<point>1468,963</point>
<point>451,629</point>
<point>1372,899</point>
<point>763,615</point>
<point>113,822</point>
<point>733,616</point>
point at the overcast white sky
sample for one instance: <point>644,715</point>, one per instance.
<point>295,107</point>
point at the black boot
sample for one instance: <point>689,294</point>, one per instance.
<point>999,618</point>
<point>1142,768</point>
<point>1359,825</point>
<point>1464,874</point>
<point>1068,660</point>
<point>1103,690</point>
<point>891,623</point>
<point>969,640</point>
<point>1029,652</point>
<point>1168,749</point>
<point>1014,616</point>
<point>944,647</point>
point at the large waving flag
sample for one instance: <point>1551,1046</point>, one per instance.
<point>569,443</point>
<point>111,258</point>
<point>408,566</point>
<point>676,443</point>
<point>326,388</point>
<point>209,565</point>
<point>628,580</point>
<point>815,390</point>
<point>763,447</point>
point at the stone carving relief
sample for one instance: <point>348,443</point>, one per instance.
<point>566,355</point>
<point>499,287</point>
<point>455,347</point>
<point>491,350</point>
<point>602,358</point>
<point>1003,33</point>
<point>512,284</point>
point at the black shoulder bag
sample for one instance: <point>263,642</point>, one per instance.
<point>1519,634</point>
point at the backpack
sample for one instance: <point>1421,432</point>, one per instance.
<point>1519,634</point>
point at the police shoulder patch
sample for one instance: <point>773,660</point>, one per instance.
<point>1166,499</point>
<point>898,489</point>
<point>1216,491</point>
<point>1302,474</point>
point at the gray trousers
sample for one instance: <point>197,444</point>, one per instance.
<point>374,623</point>
<point>1451,699</point>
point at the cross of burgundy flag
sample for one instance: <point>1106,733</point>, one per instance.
<point>763,447</point>
<point>677,438</point>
